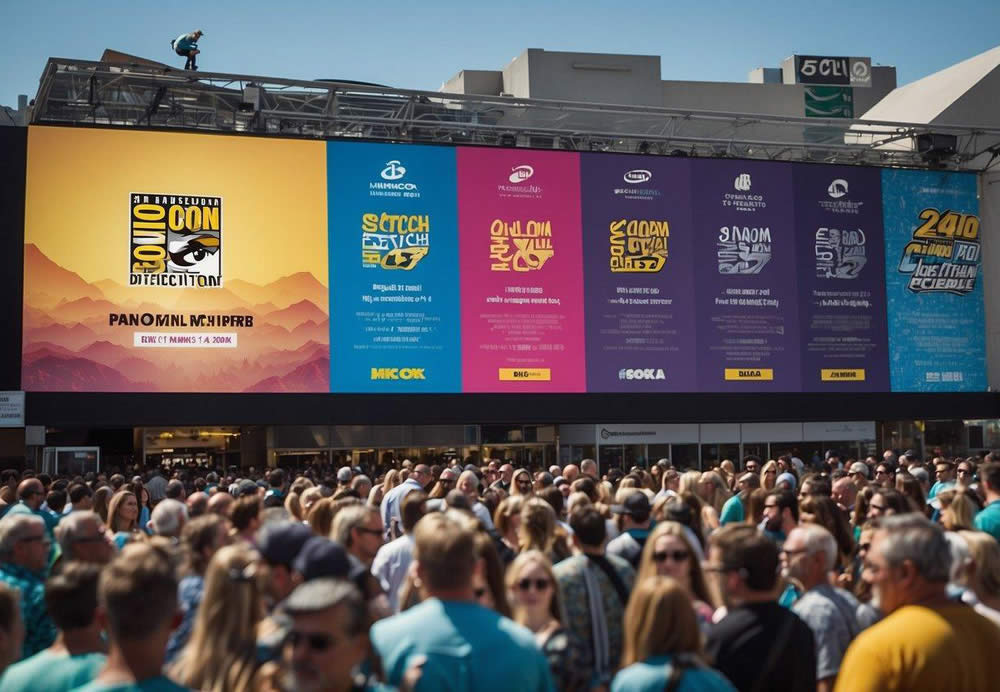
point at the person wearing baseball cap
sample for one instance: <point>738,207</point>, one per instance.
<point>279,544</point>
<point>634,523</point>
<point>344,476</point>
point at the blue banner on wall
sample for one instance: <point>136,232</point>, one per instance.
<point>934,286</point>
<point>393,245</point>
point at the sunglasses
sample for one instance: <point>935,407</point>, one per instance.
<point>317,641</point>
<point>674,555</point>
<point>540,584</point>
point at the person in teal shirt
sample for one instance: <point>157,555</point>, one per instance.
<point>733,511</point>
<point>77,654</point>
<point>988,519</point>
<point>138,593</point>
<point>663,643</point>
<point>31,496</point>
<point>467,647</point>
<point>24,549</point>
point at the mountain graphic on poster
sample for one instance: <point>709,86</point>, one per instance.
<point>69,343</point>
<point>302,379</point>
<point>45,277</point>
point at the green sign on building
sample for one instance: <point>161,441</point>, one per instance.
<point>829,102</point>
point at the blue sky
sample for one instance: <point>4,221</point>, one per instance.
<point>419,45</point>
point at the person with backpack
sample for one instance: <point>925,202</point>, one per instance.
<point>187,45</point>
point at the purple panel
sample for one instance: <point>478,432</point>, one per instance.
<point>838,214</point>
<point>747,303</point>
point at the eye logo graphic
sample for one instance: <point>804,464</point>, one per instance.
<point>838,188</point>
<point>175,240</point>
<point>518,174</point>
<point>742,182</point>
<point>638,175</point>
<point>393,170</point>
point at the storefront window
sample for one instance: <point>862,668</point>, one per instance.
<point>684,456</point>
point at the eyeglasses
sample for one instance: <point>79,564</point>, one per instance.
<point>540,584</point>
<point>317,641</point>
<point>673,555</point>
<point>790,553</point>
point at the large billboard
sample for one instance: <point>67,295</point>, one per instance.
<point>163,262</point>
<point>179,262</point>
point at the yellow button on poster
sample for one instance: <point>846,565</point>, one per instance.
<point>525,374</point>
<point>840,374</point>
<point>750,374</point>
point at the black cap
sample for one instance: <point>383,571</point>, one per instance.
<point>280,542</point>
<point>321,557</point>
<point>635,505</point>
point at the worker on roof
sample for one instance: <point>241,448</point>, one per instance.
<point>187,45</point>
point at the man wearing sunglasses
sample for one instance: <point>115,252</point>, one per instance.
<point>327,639</point>
<point>24,550</point>
<point>808,556</point>
<point>759,645</point>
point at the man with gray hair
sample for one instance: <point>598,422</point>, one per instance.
<point>359,529</point>
<point>808,556</point>
<point>83,536</point>
<point>168,518</point>
<point>926,641</point>
<point>24,552</point>
<point>468,483</point>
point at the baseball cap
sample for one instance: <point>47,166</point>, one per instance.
<point>279,543</point>
<point>344,475</point>
<point>321,557</point>
<point>635,505</point>
<point>860,467</point>
<point>246,487</point>
<point>786,477</point>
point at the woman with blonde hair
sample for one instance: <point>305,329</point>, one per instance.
<point>663,643</point>
<point>536,604</point>
<point>669,552</point>
<point>123,517</point>
<point>309,497</point>
<point>321,517</point>
<point>222,652</point>
<point>200,539</point>
<point>690,490</point>
<point>507,520</point>
<point>957,510</point>
<point>983,573</point>
<point>521,484</point>
<point>293,505</point>
<point>714,490</point>
<point>769,475</point>
<point>538,530</point>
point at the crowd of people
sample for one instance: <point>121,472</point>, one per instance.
<point>847,574</point>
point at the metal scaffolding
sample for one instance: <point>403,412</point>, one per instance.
<point>137,95</point>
